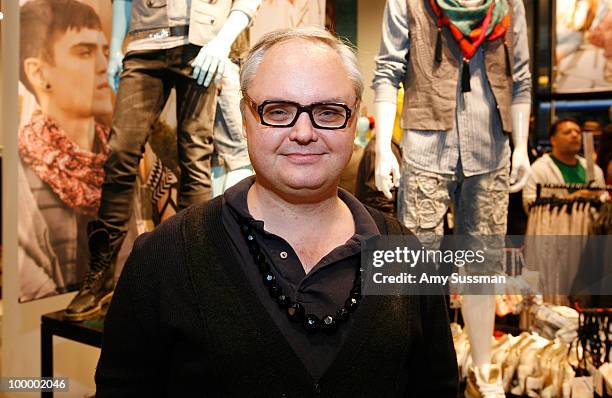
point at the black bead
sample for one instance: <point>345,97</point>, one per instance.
<point>275,290</point>
<point>283,301</point>
<point>268,278</point>
<point>296,312</point>
<point>311,323</point>
<point>245,229</point>
<point>342,315</point>
<point>329,324</point>
<point>351,304</point>
<point>355,293</point>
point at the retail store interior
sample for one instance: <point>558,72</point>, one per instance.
<point>482,125</point>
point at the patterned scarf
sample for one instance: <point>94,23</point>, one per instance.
<point>74,174</point>
<point>470,28</point>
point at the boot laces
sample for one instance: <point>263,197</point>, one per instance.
<point>98,262</point>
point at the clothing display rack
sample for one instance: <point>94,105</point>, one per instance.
<point>573,186</point>
<point>576,203</point>
<point>566,224</point>
<point>595,339</point>
<point>595,333</point>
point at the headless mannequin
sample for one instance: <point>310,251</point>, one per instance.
<point>478,311</point>
<point>208,65</point>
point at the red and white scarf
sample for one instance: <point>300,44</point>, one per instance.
<point>74,174</point>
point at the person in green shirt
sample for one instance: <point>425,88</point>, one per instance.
<point>562,165</point>
<point>566,140</point>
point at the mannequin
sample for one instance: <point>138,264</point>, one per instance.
<point>478,311</point>
<point>171,44</point>
<point>230,141</point>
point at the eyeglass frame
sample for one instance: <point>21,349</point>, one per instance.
<point>300,109</point>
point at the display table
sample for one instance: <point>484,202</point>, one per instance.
<point>53,324</point>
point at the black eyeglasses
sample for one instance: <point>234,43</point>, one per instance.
<point>323,115</point>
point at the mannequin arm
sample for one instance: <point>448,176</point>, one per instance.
<point>213,55</point>
<point>387,170</point>
<point>521,168</point>
<point>122,12</point>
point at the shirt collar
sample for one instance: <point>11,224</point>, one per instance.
<point>236,198</point>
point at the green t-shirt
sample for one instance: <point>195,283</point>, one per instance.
<point>575,174</point>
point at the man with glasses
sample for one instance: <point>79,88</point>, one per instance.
<point>263,284</point>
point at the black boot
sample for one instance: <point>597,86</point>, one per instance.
<point>97,288</point>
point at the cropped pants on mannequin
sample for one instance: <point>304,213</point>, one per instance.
<point>481,208</point>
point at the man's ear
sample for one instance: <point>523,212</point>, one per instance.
<point>33,70</point>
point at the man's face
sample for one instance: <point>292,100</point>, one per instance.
<point>568,138</point>
<point>78,74</point>
<point>300,161</point>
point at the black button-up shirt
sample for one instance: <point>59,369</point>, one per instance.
<point>322,291</point>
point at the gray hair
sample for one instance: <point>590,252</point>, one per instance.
<point>315,34</point>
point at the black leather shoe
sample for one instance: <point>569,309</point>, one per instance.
<point>97,288</point>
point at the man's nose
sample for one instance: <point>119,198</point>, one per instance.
<point>303,131</point>
<point>101,61</point>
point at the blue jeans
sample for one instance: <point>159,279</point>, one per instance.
<point>230,142</point>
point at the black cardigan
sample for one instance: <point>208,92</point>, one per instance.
<point>184,321</point>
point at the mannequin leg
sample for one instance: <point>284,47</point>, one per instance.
<point>230,142</point>
<point>482,208</point>
<point>133,117</point>
<point>423,200</point>
<point>479,316</point>
<point>195,111</point>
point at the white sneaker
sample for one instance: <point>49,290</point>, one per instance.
<point>485,381</point>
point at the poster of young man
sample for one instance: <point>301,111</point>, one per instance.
<point>66,107</point>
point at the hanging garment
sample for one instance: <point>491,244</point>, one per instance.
<point>557,235</point>
<point>593,284</point>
